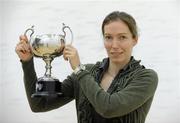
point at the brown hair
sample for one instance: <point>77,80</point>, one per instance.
<point>126,18</point>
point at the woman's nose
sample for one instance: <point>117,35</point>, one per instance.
<point>115,44</point>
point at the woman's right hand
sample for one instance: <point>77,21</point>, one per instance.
<point>23,49</point>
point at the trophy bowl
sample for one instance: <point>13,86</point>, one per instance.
<point>47,47</point>
<point>47,44</point>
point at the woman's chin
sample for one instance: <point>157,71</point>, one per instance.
<point>116,60</point>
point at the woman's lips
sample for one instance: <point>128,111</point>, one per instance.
<point>116,53</point>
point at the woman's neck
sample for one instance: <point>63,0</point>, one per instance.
<point>114,68</point>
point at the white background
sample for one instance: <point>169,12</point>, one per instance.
<point>158,48</point>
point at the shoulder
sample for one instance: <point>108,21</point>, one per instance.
<point>141,72</point>
<point>147,77</point>
<point>147,73</point>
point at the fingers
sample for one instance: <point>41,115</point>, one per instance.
<point>69,52</point>
<point>23,45</point>
<point>66,52</point>
<point>23,38</point>
<point>69,48</point>
<point>66,55</point>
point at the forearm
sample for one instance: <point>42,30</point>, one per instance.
<point>39,104</point>
<point>95,94</point>
<point>118,103</point>
<point>30,79</point>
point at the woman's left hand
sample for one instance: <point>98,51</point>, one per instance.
<point>70,53</point>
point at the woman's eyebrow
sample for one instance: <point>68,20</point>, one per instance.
<point>122,33</point>
<point>117,34</point>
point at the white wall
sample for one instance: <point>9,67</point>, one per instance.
<point>0,59</point>
<point>158,48</point>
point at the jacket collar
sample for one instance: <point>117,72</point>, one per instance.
<point>132,63</point>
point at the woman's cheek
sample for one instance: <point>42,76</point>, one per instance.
<point>107,45</point>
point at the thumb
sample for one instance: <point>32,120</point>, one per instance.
<point>23,38</point>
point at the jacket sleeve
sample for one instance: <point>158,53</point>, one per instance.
<point>135,94</point>
<point>43,104</point>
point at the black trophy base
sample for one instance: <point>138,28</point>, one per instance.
<point>47,87</point>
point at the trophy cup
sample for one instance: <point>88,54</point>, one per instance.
<point>47,47</point>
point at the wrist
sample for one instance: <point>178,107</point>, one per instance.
<point>26,61</point>
<point>79,69</point>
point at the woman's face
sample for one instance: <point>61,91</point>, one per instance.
<point>118,41</point>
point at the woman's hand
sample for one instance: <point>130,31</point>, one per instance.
<point>70,53</point>
<point>23,49</point>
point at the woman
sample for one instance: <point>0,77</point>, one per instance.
<point>115,90</point>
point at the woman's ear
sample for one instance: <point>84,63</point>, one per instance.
<point>135,40</point>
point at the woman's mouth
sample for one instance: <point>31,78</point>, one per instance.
<point>116,53</point>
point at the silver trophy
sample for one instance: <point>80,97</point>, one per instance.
<point>47,47</point>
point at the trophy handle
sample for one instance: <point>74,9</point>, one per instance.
<point>29,29</point>
<point>63,29</point>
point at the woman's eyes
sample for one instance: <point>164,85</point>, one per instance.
<point>120,38</point>
<point>108,37</point>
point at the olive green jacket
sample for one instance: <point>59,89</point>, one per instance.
<point>127,100</point>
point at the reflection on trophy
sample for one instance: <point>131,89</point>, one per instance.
<point>47,47</point>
